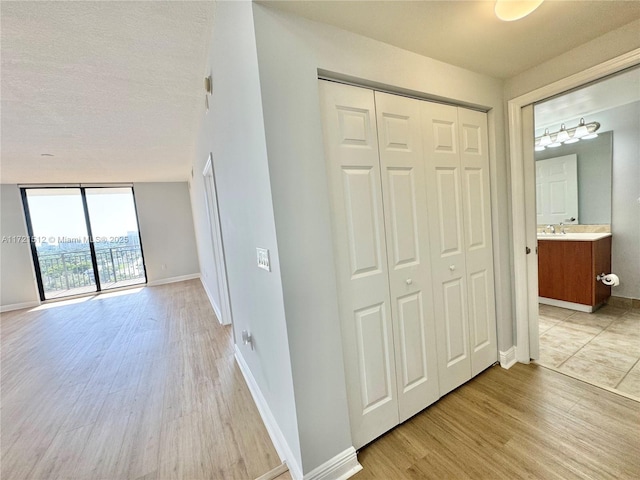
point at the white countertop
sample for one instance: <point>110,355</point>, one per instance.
<point>585,237</point>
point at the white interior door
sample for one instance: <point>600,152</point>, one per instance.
<point>557,190</point>
<point>407,234</point>
<point>223,310</point>
<point>445,202</point>
<point>351,150</point>
<point>476,207</point>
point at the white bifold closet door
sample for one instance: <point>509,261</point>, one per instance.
<point>407,231</point>
<point>461,245</point>
<point>409,189</point>
<point>382,257</point>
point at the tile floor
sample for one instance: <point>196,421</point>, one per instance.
<point>601,348</point>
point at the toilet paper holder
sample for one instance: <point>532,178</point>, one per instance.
<point>609,279</point>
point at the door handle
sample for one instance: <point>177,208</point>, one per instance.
<point>528,250</point>
<point>409,281</point>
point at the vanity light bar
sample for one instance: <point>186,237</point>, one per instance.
<point>583,131</point>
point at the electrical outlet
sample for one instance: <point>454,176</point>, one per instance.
<point>263,258</point>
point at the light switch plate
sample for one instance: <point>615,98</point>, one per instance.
<point>263,258</point>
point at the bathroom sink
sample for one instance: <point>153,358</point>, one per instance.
<point>586,237</point>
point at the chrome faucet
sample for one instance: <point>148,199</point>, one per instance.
<point>552,228</point>
<point>562,231</point>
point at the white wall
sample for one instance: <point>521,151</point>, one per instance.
<point>17,281</point>
<point>166,230</point>
<point>233,132</point>
<point>290,52</point>
<point>624,121</point>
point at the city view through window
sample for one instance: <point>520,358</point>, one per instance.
<point>60,233</point>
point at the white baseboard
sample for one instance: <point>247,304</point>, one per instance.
<point>216,310</point>
<point>508,358</point>
<point>277,437</point>
<point>18,306</point>
<point>340,467</point>
<point>570,305</point>
<point>180,278</point>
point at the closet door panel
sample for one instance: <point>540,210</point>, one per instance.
<point>351,150</point>
<point>478,243</point>
<point>445,177</point>
<point>455,321</point>
<point>407,238</point>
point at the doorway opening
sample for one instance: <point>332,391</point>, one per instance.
<point>587,225</point>
<point>83,239</point>
<point>522,179</point>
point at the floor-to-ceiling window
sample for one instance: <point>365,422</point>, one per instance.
<point>84,239</point>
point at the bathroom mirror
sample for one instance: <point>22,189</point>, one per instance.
<point>594,165</point>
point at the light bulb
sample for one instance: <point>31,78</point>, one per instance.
<point>562,136</point>
<point>581,130</point>
<point>545,139</point>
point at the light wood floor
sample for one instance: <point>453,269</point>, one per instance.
<point>56,294</point>
<point>526,422</point>
<point>138,385</point>
<point>143,385</point>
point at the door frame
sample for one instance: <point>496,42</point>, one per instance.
<point>521,138</point>
<point>215,229</point>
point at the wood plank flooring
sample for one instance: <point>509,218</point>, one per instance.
<point>138,384</point>
<point>526,422</point>
<point>142,384</point>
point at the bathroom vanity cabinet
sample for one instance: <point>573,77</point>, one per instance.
<point>567,269</point>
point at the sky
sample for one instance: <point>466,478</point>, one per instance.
<point>61,214</point>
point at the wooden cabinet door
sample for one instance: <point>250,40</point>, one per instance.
<point>601,264</point>
<point>565,270</point>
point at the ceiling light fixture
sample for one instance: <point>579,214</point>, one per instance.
<point>510,10</point>
<point>583,131</point>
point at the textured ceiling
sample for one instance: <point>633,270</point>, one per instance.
<point>111,89</point>
<point>467,33</point>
